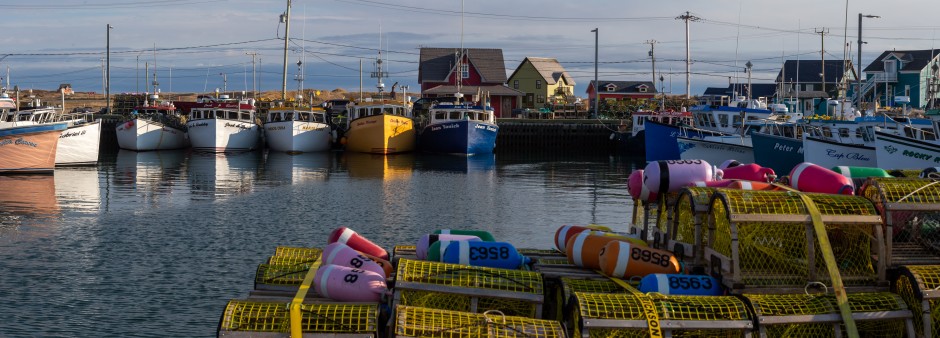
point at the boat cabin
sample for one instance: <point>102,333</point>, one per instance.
<point>315,115</point>
<point>670,118</point>
<point>444,113</point>
<point>223,108</point>
<point>380,109</point>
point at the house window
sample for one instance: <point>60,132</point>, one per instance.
<point>641,89</point>
<point>907,90</point>
<point>610,88</point>
<point>538,84</point>
<point>515,84</point>
<point>809,86</point>
<point>464,71</point>
<point>541,98</point>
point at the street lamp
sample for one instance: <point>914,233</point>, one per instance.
<point>858,76</point>
<point>749,65</point>
<point>597,92</point>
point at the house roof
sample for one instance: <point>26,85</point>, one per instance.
<point>437,63</point>
<point>760,90</point>
<point>911,59</point>
<point>808,71</point>
<point>626,87</point>
<point>500,90</point>
<point>806,94</point>
<point>549,68</point>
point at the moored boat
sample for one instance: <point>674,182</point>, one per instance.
<point>153,126</point>
<point>831,153</point>
<point>459,129</point>
<point>716,149</point>
<point>380,127</point>
<point>918,150</point>
<point>297,130</point>
<point>29,149</point>
<point>223,125</point>
<point>81,142</point>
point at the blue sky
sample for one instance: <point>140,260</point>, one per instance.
<point>47,42</point>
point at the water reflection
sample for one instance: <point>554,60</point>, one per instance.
<point>284,168</point>
<point>219,175</point>
<point>79,188</point>
<point>26,195</point>
<point>389,167</point>
<point>456,163</point>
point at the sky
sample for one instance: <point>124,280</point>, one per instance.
<point>201,45</point>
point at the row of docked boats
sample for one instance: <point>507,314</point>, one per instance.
<point>222,124</point>
<point>773,137</point>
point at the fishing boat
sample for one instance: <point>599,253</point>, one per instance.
<point>81,142</point>
<point>465,129</point>
<point>297,129</point>
<point>156,125</point>
<point>716,149</point>
<point>380,127</point>
<point>223,124</point>
<point>634,141</point>
<point>914,148</point>
<point>30,148</point>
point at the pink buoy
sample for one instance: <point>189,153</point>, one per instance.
<point>712,184</point>
<point>354,240</point>
<point>638,190</point>
<point>729,164</point>
<point>750,172</point>
<point>808,177</point>
<point>673,175</point>
<point>425,242</point>
<point>347,284</point>
<point>341,254</point>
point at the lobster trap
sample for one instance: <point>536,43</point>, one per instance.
<point>285,270</point>
<point>876,314</point>
<point>910,209</point>
<point>248,318</point>
<point>412,321</point>
<point>468,288</point>
<point>919,286</point>
<point>765,240</point>
<point>639,315</point>
<point>650,217</point>
<point>685,234</point>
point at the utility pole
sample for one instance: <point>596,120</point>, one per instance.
<point>858,76</point>
<point>254,77</point>
<point>107,82</point>
<point>286,20</point>
<point>652,44</point>
<point>597,92</point>
<point>688,60</point>
<point>822,55</point>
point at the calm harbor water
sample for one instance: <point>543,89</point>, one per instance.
<point>153,244</point>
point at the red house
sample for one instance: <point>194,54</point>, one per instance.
<point>619,90</point>
<point>481,71</point>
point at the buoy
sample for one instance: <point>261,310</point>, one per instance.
<point>482,234</point>
<point>712,184</point>
<point>625,260</point>
<point>673,175</point>
<point>933,172</point>
<point>755,185</point>
<point>499,255</point>
<point>346,284</point>
<point>729,164</point>
<point>686,285</point>
<point>425,242</point>
<point>750,172</point>
<point>343,255</point>
<point>565,232</point>
<point>436,250</point>
<point>808,177</point>
<point>386,265</point>
<point>637,189</point>
<point>858,175</point>
<point>583,249</point>
<point>351,238</point>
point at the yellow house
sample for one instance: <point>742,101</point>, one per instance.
<point>543,80</point>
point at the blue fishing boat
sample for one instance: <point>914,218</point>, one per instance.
<point>459,129</point>
<point>661,143</point>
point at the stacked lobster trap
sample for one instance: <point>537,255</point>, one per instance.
<point>412,321</point>
<point>685,234</point>
<point>284,271</point>
<point>876,314</point>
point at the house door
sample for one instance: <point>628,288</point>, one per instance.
<point>530,100</point>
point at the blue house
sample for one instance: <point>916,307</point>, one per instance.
<point>909,74</point>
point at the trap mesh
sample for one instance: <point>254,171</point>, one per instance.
<point>767,306</point>
<point>255,316</point>
<point>772,248</point>
<point>910,285</point>
<point>283,274</point>
<point>411,321</point>
<point>911,207</point>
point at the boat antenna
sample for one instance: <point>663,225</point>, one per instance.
<point>155,83</point>
<point>458,74</point>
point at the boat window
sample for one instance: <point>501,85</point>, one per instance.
<point>640,121</point>
<point>232,115</point>
<point>23,117</point>
<point>826,132</point>
<point>723,120</point>
<point>440,115</point>
<point>859,133</point>
<point>711,121</point>
<point>376,111</point>
<point>929,136</point>
<point>455,115</point>
<point>843,132</point>
<point>246,116</point>
<point>908,131</point>
<point>219,114</point>
<point>736,121</point>
<point>289,116</point>
<point>388,111</point>
<point>484,116</point>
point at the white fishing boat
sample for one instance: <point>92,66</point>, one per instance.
<point>153,126</point>
<point>830,153</point>
<point>297,130</point>
<point>223,125</point>
<point>81,142</point>
<point>912,149</point>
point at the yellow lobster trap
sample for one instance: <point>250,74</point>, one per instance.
<point>876,314</point>
<point>285,270</point>
<point>685,234</point>
<point>765,240</point>
<point>468,288</point>
<point>645,315</point>
<point>910,209</point>
<point>412,321</point>
<point>249,318</point>
<point>649,219</point>
<point>919,286</point>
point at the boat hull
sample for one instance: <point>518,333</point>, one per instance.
<point>895,151</point>
<point>661,143</point>
<point>713,152</point>
<point>146,135</point>
<point>29,149</point>
<point>829,154</point>
<point>381,134</point>
<point>79,145</point>
<point>459,137</point>
<point>298,136</point>
<point>220,135</point>
<point>777,152</point>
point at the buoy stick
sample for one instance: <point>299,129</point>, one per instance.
<point>824,246</point>
<point>296,318</point>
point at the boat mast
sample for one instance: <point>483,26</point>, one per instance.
<point>458,74</point>
<point>285,18</point>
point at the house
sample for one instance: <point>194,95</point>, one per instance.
<point>542,80</point>
<point>906,73</point>
<point>800,84</point>
<point>720,96</point>
<point>481,72</point>
<point>621,90</point>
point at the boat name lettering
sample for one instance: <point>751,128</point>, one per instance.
<point>450,126</point>
<point>849,156</point>
<point>19,141</point>
<point>919,156</point>
<point>362,123</point>
<point>435,128</point>
<point>73,133</point>
<point>480,126</point>
<point>201,124</point>
<point>491,128</point>
<point>276,128</point>
<point>313,128</point>
<point>237,125</point>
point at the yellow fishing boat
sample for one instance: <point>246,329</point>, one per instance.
<point>380,127</point>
